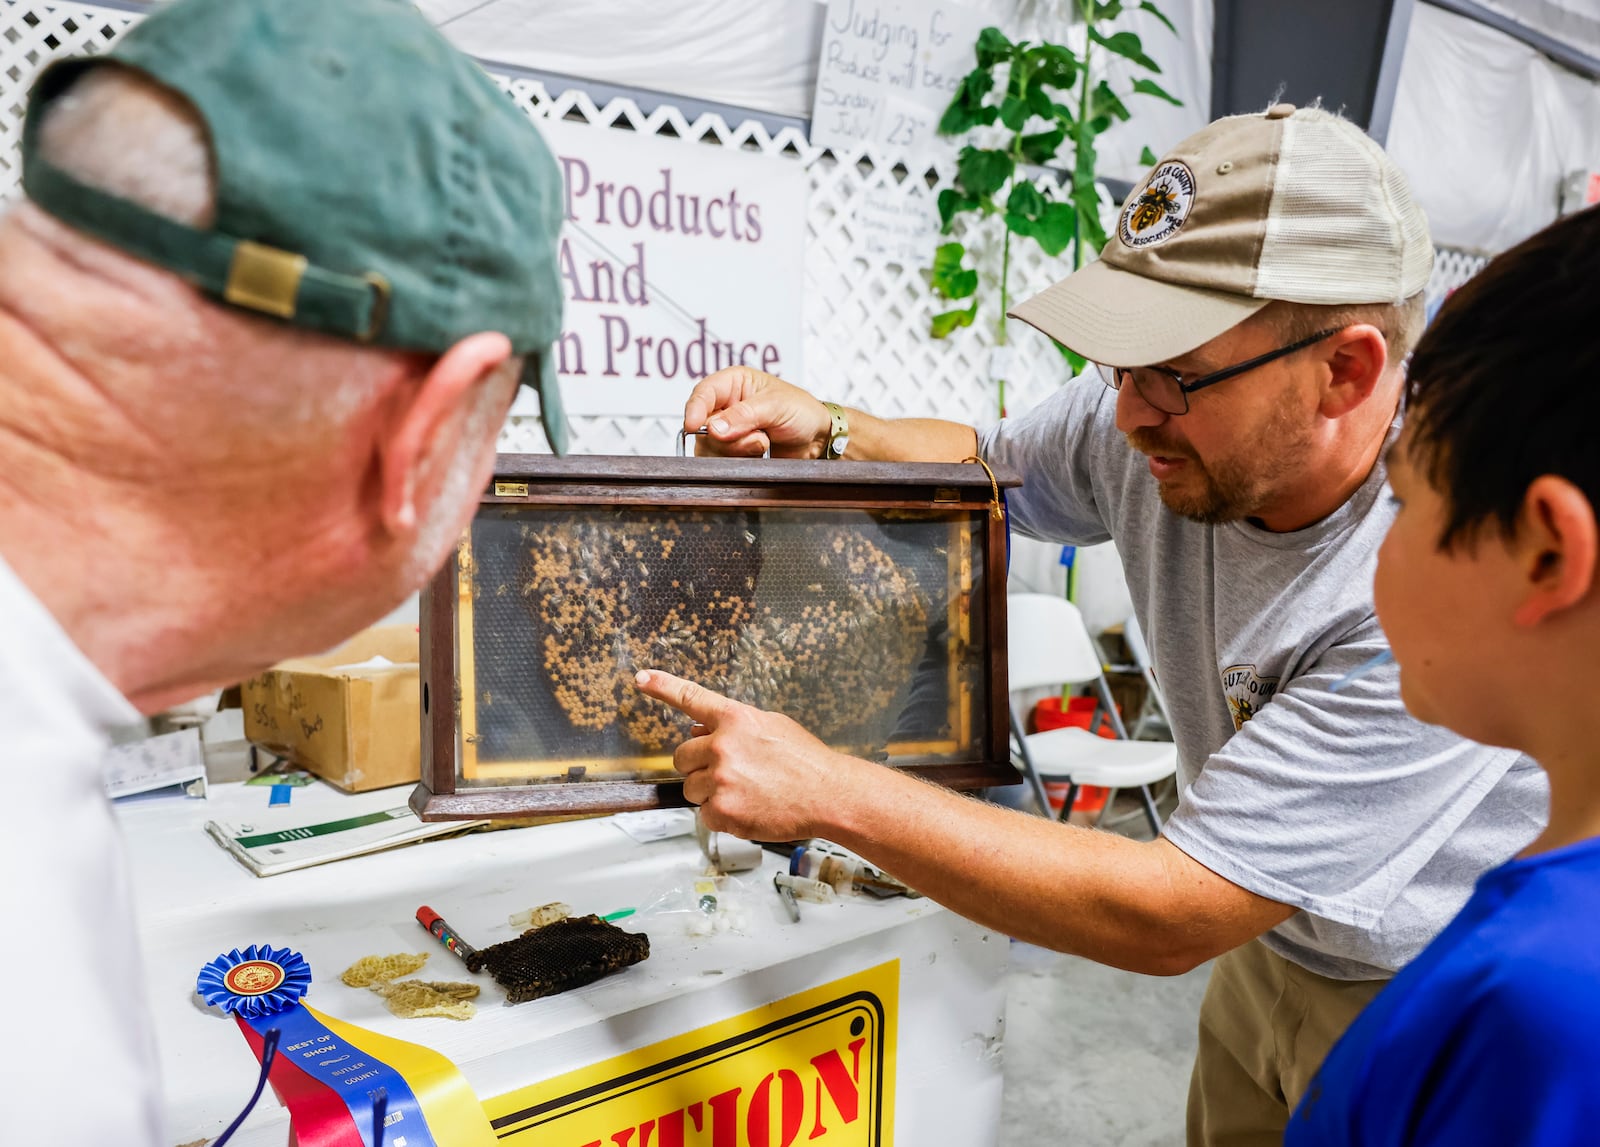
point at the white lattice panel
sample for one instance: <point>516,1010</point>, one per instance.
<point>1451,268</point>
<point>31,35</point>
<point>866,318</point>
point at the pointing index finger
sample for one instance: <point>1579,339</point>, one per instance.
<point>696,701</point>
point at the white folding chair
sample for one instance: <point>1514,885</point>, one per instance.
<point>1049,646</point>
<point>1154,699</point>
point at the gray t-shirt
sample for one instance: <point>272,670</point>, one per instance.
<point>1342,805</point>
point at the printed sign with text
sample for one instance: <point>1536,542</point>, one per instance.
<point>677,259</point>
<point>814,1068</point>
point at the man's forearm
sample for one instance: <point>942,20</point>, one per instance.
<point>1141,906</point>
<point>875,439</point>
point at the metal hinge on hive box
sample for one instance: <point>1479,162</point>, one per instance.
<point>865,600</point>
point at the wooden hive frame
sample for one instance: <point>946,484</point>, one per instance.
<point>964,492</point>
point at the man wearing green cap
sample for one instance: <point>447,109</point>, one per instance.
<point>1252,311</point>
<point>280,267</point>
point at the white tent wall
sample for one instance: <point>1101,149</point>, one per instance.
<point>1575,23</point>
<point>1486,127</point>
<point>763,56</point>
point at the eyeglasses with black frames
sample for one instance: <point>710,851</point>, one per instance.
<point>1166,390</point>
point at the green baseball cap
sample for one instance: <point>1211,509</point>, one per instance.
<point>371,181</point>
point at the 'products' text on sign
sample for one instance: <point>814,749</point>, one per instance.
<point>677,259</point>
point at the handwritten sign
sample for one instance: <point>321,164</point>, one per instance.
<point>895,227</point>
<point>677,259</point>
<point>888,69</point>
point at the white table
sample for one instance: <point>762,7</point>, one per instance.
<point>196,902</point>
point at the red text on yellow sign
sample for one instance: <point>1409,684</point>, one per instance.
<point>815,1068</point>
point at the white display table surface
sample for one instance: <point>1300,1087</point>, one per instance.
<point>195,902</point>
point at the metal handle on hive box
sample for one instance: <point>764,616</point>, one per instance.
<point>683,438</point>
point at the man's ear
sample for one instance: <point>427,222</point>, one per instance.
<point>1355,357</point>
<point>1555,548</point>
<point>423,433</point>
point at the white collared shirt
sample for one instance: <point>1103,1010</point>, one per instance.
<point>77,1054</point>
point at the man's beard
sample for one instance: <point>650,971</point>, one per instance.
<point>1230,489</point>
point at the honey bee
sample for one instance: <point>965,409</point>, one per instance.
<point>1158,201</point>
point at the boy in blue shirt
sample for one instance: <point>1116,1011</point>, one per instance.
<point>1487,589</point>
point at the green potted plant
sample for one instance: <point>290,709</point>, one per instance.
<point>1045,98</point>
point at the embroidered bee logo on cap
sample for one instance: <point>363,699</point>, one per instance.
<point>1160,208</point>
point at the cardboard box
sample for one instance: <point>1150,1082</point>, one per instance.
<point>352,716</point>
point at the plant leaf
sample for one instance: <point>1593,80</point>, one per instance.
<point>947,258</point>
<point>967,108</point>
<point>1055,227</point>
<point>977,83</point>
<point>1146,6</point>
<point>1148,157</point>
<point>1025,200</point>
<point>944,323</point>
<point>992,47</point>
<point>1086,197</point>
<point>1054,65</point>
<point>981,172</point>
<point>1104,102</point>
<point>1127,45</point>
<point>1014,113</point>
<point>1150,88</point>
<point>962,285</point>
<point>1083,154</point>
<point>951,204</point>
<point>948,278</point>
<point>1019,224</point>
<point>958,118</point>
<point>1108,11</point>
<point>1039,101</point>
<point>1042,147</point>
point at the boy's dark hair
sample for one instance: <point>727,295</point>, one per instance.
<point>1505,383</point>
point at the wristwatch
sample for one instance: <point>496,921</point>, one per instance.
<point>838,433</point>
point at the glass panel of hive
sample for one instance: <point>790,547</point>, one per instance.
<point>858,624</point>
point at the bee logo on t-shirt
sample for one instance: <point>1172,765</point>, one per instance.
<point>1246,691</point>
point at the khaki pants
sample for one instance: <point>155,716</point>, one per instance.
<point>1265,1026</point>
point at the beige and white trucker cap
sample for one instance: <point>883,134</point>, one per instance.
<point>1292,204</point>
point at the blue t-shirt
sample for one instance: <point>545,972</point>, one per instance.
<point>1492,1035</point>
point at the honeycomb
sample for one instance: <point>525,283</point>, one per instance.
<point>371,970</point>
<point>415,999</point>
<point>560,956</point>
<point>824,616</point>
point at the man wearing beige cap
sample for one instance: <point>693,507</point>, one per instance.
<point>1252,312</point>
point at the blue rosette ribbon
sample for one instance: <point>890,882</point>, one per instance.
<point>344,1086</point>
<point>259,981</point>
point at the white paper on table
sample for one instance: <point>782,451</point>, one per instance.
<point>154,763</point>
<point>656,823</point>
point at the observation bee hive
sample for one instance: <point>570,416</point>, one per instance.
<point>865,600</point>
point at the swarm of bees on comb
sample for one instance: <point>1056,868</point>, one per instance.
<point>820,623</point>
